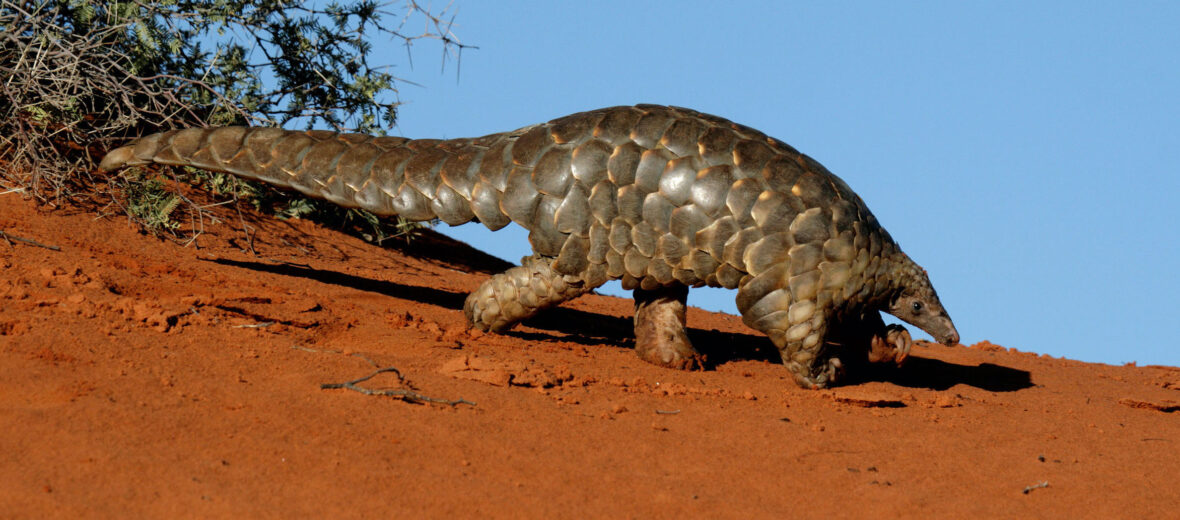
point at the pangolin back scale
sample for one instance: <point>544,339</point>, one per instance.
<point>659,197</point>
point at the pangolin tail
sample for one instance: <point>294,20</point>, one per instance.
<point>384,175</point>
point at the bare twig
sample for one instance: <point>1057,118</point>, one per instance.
<point>6,236</point>
<point>401,393</point>
<point>374,364</point>
<point>245,229</point>
<point>314,350</point>
<point>1030,489</point>
<point>296,246</point>
<point>254,325</point>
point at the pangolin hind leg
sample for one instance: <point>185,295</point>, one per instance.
<point>520,293</point>
<point>660,336</point>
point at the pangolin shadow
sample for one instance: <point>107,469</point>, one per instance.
<point>936,374</point>
<point>590,329</point>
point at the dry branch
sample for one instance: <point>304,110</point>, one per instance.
<point>401,393</point>
<point>9,238</point>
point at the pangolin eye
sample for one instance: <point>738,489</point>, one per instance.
<point>917,307</point>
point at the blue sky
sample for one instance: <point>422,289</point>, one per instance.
<point>1026,154</point>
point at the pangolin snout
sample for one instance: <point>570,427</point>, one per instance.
<point>951,338</point>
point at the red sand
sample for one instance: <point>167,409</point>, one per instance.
<point>146,378</point>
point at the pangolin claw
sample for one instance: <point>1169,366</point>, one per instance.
<point>894,347</point>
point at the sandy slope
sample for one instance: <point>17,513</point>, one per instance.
<point>143,378</point>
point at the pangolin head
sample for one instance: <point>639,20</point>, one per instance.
<point>916,303</point>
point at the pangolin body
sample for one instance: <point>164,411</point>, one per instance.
<point>663,198</point>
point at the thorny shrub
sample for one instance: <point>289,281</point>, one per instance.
<point>80,77</point>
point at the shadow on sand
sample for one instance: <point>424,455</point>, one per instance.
<point>591,329</point>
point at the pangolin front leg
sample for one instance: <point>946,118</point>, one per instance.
<point>521,292</point>
<point>808,359</point>
<point>660,336</point>
<point>865,338</point>
<point>890,344</point>
<point>791,311</point>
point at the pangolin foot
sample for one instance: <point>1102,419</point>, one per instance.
<point>485,315</point>
<point>831,371</point>
<point>660,336</point>
<point>894,347</point>
<point>668,350</point>
<point>520,293</point>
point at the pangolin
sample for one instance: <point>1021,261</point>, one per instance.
<point>662,198</point>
